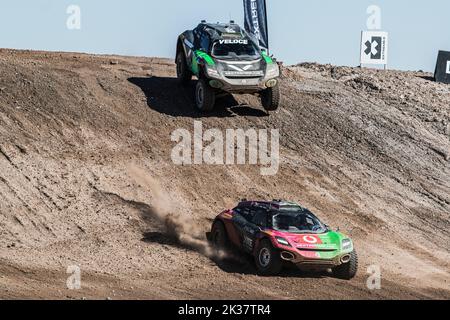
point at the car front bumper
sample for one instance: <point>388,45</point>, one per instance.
<point>317,259</point>
<point>243,85</point>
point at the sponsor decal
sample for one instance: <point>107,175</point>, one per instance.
<point>248,242</point>
<point>244,73</point>
<point>233,41</point>
<point>188,43</point>
<point>249,230</point>
<point>310,239</point>
<point>310,254</point>
<point>448,67</point>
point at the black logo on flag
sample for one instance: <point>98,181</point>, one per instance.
<point>373,48</point>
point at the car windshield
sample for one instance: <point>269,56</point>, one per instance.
<point>229,49</point>
<point>297,220</point>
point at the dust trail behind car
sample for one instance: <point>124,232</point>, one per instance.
<point>179,225</point>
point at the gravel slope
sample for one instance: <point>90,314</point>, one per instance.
<point>86,179</point>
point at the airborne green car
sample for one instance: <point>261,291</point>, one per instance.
<point>226,59</point>
<point>277,232</point>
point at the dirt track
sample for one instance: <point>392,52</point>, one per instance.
<point>85,170</point>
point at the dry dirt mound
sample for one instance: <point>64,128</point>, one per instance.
<point>86,179</point>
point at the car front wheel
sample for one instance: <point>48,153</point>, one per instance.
<point>270,98</point>
<point>347,271</point>
<point>205,96</point>
<point>267,259</point>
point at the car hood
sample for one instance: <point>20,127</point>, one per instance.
<point>242,68</point>
<point>330,240</point>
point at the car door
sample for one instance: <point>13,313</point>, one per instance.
<point>253,227</point>
<point>259,222</point>
<point>241,221</point>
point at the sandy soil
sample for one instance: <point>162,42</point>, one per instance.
<point>86,179</point>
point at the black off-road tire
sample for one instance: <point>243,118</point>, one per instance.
<point>183,73</point>
<point>270,98</point>
<point>347,271</point>
<point>219,236</point>
<point>274,265</point>
<point>205,96</point>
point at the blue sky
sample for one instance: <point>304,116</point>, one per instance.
<point>326,31</point>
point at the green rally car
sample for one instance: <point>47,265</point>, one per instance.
<point>226,59</point>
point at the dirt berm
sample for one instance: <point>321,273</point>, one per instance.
<point>86,179</point>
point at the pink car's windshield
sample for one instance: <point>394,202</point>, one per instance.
<point>297,221</point>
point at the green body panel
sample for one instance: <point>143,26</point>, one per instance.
<point>209,60</point>
<point>267,58</point>
<point>332,240</point>
<point>327,246</point>
<point>198,56</point>
<point>194,67</point>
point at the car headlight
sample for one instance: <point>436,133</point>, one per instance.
<point>283,241</point>
<point>347,244</point>
<point>273,71</point>
<point>212,72</point>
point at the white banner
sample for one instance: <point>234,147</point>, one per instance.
<point>374,47</point>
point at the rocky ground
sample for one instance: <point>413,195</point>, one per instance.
<point>86,179</point>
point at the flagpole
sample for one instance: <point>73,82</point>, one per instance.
<point>267,26</point>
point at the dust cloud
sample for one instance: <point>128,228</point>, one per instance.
<point>179,225</point>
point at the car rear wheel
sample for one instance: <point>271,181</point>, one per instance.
<point>267,259</point>
<point>219,237</point>
<point>183,74</point>
<point>347,271</point>
<point>270,98</point>
<point>205,96</point>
